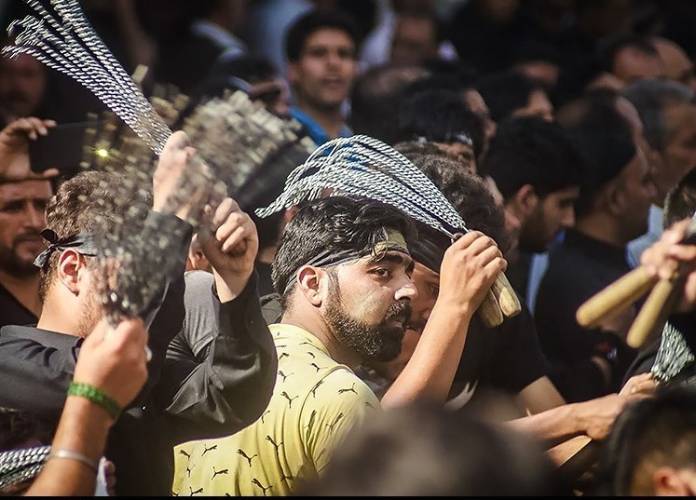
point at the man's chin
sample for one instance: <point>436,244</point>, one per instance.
<point>20,268</point>
<point>391,346</point>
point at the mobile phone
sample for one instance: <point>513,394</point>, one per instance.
<point>61,148</point>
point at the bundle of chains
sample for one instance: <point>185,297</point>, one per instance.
<point>140,255</point>
<point>243,143</point>
<point>673,355</point>
<point>365,167</point>
<point>17,466</point>
<point>65,41</point>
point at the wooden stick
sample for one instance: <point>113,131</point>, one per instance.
<point>506,297</point>
<point>615,298</point>
<point>562,452</point>
<point>654,312</point>
<point>490,311</point>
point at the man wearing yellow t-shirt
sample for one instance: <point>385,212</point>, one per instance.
<point>343,268</point>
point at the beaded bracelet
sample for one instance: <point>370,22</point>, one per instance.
<point>96,396</point>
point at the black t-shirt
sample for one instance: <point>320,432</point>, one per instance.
<point>505,359</point>
<point>578,268</point>
<point>265,283</point>
<point>12,312</point>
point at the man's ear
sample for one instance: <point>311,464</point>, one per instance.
<point>311,282</point>
<point>69,264</point>
<point>293,73</point>
<point>524,201</point>
<point>667,482</point>
<point>613,197</point>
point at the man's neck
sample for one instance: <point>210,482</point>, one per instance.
<point>602,228</point>
<point>54,318</point>
<point>316,326</point>
<point>25,289</point>
<point>329,119</point>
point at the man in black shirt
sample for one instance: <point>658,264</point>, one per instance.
<point>185,398</point>
<point>23,198</point>
<point>536,168</point>
<point>612,210</point>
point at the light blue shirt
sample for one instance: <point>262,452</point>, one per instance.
<point>314,130</point>
<point>638,246</point>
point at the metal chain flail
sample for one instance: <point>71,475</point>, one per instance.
<point>68,44</point>
<point>17,466</point>
<point>363,166</point>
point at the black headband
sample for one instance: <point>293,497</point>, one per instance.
<point>429,249</point>
<point>394,242</point>
<point>83,242</point>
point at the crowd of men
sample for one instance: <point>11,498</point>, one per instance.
<point>337,347</point>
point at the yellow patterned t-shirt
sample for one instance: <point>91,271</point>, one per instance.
<point>315,402</point>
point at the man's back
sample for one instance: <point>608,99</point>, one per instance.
<point>578,268</point>
<point>314,403</point>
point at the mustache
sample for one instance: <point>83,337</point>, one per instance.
<point>16,96</point>
<point>400,311</point>
<point>28,236</point>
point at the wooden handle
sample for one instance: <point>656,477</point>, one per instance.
<point>490,311</point>
<point>654,312</point>
<point>506,297</point>
<point>615,298</point>
<point>562,452</point>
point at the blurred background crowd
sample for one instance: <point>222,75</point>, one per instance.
<point>578,117</point>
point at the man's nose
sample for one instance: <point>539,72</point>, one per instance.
<point>407,291</point>
<point>568,219</point>
<point>35,217</point>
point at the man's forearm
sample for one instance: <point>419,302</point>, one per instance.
<point>552,426</point>
<point>83,429</point>
<point>229,287</point>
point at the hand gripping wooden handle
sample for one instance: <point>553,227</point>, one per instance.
<point>615,298</point>
<point>505,295</point>
<point>654,312</point>
<point>490,311</point>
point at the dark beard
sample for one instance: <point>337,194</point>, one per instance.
<point>12,265</point>
<point>381,342</point>
<point>90,315</point>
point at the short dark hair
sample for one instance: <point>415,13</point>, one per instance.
<point>466,193</point>
<point>376,97</point>
<point>506,92</point>
<point>81,205</point>
<point>650,433</point>
<point>604,139</point>
<point>610,47</point>
<point>422,451</point>
<point>335,223</point>
<point>529,150</point>
<point>223,77</point>
<point>651,98</point>
<point>312,22</point>
<point>438,116</point>
<point>681,200</point>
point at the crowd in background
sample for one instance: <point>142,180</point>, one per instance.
<point>564,131</point>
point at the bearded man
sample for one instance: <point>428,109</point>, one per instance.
<point>23,198</point>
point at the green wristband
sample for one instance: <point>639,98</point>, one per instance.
<point>96,396</point>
